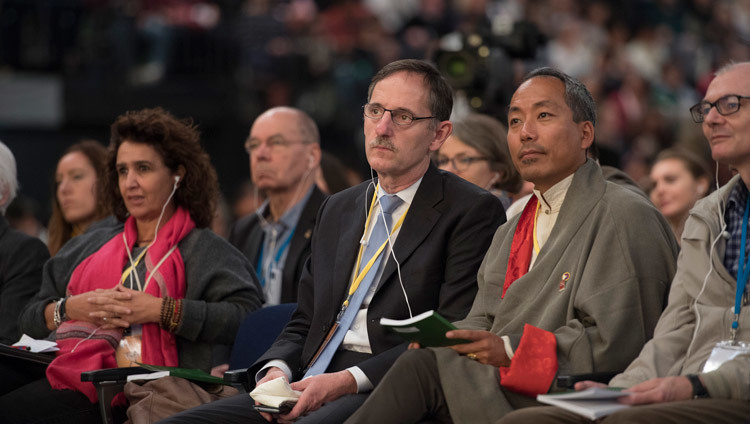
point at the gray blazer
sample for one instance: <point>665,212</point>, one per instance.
<point>620,253</point>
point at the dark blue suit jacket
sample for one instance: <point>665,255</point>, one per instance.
<point>440,246</point>
<point>247,237</point>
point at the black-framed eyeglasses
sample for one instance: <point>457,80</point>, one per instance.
<point>726,105</point>
<point>459,163</point>
<point>399,117</point>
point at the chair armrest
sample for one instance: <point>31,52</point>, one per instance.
<point>112,374</point>
<point>568,381</point>
<point>39,358</point>
<point>239,379</point>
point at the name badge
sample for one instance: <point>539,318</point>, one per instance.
<point>725,351</point>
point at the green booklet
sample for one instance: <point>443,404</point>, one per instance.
<point>186,373</point>
<point>428,329</point>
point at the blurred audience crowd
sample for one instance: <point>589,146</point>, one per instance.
<point>645,61</point>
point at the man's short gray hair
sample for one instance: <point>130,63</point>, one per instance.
<point>8,181</point>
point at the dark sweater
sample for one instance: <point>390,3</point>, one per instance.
<point>21,261</point>
<point>221,290</point>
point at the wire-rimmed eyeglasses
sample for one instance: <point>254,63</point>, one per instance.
<point>399,117</point>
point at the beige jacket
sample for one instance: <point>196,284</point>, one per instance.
<point>620,253</point>
<point>678,348</point>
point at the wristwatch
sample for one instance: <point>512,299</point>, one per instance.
<point>699,390</point>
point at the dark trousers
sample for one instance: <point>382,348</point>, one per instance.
<point>16,372</point>
<point>698,411</point>
<point>410,395</point>
<point>38,403</point>
<point>239,409</point>
<point>412,392</point>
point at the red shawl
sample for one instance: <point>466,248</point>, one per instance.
<point>103,270</point>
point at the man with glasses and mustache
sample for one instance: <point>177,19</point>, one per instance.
<point>408,241</point>
<point>575,284</point>
<point>696,369</point>
<point>284,149</point>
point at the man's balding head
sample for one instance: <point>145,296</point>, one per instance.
<point>284,148</point>
<point>307,128</point>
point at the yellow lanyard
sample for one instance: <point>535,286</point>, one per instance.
<point>536,214</point>
<point>359,276</point>
<point>131,268</point>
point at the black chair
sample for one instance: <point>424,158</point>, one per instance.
<point>255,335</point>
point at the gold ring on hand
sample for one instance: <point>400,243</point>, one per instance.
<point>472,356</point>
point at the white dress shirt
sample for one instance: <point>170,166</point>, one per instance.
<point>356,338</point>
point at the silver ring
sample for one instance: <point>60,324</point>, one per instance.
<point>104,319</point>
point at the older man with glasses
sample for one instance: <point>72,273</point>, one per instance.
<point>284,150</point>
<point>408,241</point>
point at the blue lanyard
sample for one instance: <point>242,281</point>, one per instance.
<point>743,271</point>
<point>279,252</point>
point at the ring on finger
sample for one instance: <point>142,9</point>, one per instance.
<point>104,319</point>
<point>472,356</point>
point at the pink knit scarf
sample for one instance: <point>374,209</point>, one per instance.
<point>83,347</point>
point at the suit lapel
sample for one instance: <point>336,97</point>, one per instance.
<point>352,224</point>
<point>584,193</point>
<point>254,243</point>
<point>300,239</point>
<point>419,222</point>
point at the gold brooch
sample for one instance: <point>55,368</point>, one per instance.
<point>563,281</point>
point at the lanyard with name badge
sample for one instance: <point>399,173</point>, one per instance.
<point>358,275</point>
<point>743,272</point>
<point>727,350</point>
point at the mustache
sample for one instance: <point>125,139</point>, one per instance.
<point>530,148</point>
<point>381,141</point>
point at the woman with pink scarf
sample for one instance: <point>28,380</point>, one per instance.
<point>160,289</point>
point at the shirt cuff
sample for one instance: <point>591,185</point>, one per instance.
<point>363,383</point>
<point>278,363</point>
<point>508,346</point>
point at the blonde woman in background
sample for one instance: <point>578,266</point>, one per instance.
<point>679,178</point>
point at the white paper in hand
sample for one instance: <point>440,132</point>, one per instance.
<point>274,392</point>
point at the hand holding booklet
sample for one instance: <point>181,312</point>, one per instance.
<point>592,403</point>
<point>275,396</point>
<point>428,329</point>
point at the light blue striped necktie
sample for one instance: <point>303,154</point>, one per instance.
<point>388,203</point>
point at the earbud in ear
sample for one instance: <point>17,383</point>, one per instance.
<point>176,179</point>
